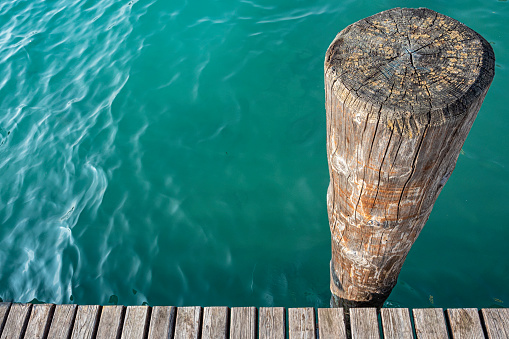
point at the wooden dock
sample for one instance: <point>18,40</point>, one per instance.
<point>41,321</point>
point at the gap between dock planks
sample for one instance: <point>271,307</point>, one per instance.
<point>42,321</point>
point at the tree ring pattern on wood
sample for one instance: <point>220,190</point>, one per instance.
<point>419,66</point>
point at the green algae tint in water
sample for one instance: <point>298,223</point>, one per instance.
<point>173,152</point>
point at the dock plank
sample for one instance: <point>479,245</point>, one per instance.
<point>465,323</point>
<point>396,323</point>
<point>48,321</point>
<point>215,323</point>
<point>136,322</point>
<point>364,322</point>
<point>62,321</point>
<point>4,310</point>
<point>85,324</point>
<point>17,321</point>
<point>188,322</point>
<point>301,323</point>
<point>243,323</point>
<point>272,323</point>
<point>162,322</point>
<point>110,323</point>
<point>39,321</point>
<point>331,323</point>
<point>497,322</point>
<point>430,323</point>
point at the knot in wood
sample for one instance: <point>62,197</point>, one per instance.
<point>409,68</point>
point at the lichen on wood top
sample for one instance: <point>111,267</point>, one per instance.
<point>410,67</point>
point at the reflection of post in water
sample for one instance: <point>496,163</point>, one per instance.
<point>403,88</point>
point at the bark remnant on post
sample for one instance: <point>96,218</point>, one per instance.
<point>403,88</point>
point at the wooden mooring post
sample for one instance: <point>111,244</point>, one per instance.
<point>403,88</point>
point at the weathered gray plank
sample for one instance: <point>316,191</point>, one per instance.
<point>301,323</point>
<point>430,323</point>
<point>465,323</point>
<point>17,321</point>
<point>396,323</point>
<point>110,324</point>
<point>4,310</point>
<point>331,323</point>
<point>62,320</point>
<point>40,319</point>
<point>215,323</point>
<point>364,322</point>
<point>188,322</point>
<point>85,324</point>
<point>497,322</point>
<point>162,322</point>
<point>136,322</point>
<point>243,323</point>
<point>272,323</point>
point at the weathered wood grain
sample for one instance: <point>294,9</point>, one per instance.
<point>4,310</point>
<point>331,323</point>
<point>403,88</point>
<point>136,322</point>
<point>243,323</point>
<point>40,319</point>
<point>215,323</point>
<point>364,323</point>
<point>162,322</point>
<point>430,323</point>
<point>62,321</point>
<point>110,323</point>
<point>86,321</point>
<point>301,323</point>
<point>396,323</point>
<point>465,323</point>
<point>272,323</point>
<point>71,321</point>
<point>188,323</point>
<point>17,320</point>
<point>497,322</point>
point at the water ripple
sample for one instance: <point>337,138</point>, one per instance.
<point>49,187</point>
<point>295,15</point>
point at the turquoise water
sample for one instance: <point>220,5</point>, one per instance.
<point>173,152</point>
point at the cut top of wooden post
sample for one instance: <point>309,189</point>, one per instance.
<point>409,68</point>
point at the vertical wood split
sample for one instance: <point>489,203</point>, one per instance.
<point>402,89</point>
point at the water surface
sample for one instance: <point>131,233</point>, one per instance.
<point>173,152</point>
